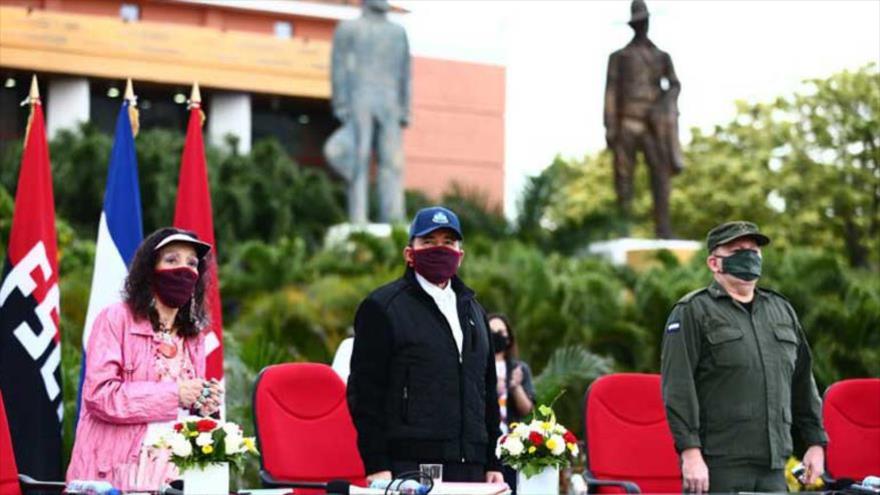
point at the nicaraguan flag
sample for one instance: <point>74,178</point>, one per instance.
<point>120,229</point>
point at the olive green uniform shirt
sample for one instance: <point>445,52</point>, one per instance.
<point>735,381</point>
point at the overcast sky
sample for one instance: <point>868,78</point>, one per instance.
<point>556,53</point>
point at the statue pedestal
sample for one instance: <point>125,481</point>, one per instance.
<point>340,233</point>
<point>639,253</point>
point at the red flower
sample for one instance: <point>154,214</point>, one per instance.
<point>178,427</point>
<point>205,425</point>
<point>536,438</point>
<point>569,437</point>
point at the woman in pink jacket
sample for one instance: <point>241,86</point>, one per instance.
<point>145,366</point>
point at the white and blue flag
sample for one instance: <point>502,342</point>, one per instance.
<point>120,230</point>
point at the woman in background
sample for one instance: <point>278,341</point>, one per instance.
<point>145,366</point>
<point>516,394</point>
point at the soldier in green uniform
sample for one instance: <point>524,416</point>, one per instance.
<point>736,373</point>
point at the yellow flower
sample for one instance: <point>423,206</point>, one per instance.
<point>532,449</point>
<point>551,443</point>
<point>207,449</point>
<point>193,433</point>
<point>249,443</point>
<point>546,426</point>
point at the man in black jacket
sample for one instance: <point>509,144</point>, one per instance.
<point>422,383</point>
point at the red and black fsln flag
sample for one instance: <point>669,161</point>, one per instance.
<point>30,340</point>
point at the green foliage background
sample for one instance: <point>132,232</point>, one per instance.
<point>806,167</point>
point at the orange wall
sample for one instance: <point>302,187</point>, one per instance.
<point>457,131</point>
<point>217,17</point>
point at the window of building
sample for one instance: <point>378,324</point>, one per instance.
<point>130,12</point>
<point>283,29</point>
<point>301,125</point>
<point>160,105</point>
<point>14,86</point>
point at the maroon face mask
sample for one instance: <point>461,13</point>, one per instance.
<point>174,286</point>
<point>437,264</point>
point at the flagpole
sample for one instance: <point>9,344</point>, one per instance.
<point>32,99</point>
<point>195,96</point>
<point>133,113</point>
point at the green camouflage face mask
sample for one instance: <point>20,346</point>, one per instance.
<point>744,264</point>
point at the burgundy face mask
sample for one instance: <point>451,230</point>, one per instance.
<point>175,286</point>
<point>437,264</point>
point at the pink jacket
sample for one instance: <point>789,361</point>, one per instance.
<point>121,394</point>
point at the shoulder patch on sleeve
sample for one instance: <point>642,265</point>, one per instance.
<point>673,327</point>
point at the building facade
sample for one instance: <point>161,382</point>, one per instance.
<point>264,70</point>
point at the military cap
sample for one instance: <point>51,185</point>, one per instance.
<point>730,231</point>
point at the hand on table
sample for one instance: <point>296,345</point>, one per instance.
<point>494,477</point>
<point>694,472</point>
<point>814,465</point>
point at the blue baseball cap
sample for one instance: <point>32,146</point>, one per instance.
<point>429,219</point>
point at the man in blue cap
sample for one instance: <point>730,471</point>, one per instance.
<point>422,382</point>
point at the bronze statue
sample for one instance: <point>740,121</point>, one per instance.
<point>370,72</point>
<point>641,113</point>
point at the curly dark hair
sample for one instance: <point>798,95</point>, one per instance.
<point>138,292</point>
<point>512,351</point>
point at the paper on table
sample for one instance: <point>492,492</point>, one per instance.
<point>453,488</point>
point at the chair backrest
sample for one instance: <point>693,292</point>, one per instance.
<point>304,430</point>
<point>8,471</point>
<point>851,413</point>
<point>627,436</point>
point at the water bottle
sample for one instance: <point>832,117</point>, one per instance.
<point>87,487</point>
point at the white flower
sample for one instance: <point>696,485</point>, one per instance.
<point>514,446</point>
<point>232,429</point>
<point>498,450</point>
<point>559,429</point>
<point>234,444</point>
<point>556,444</point>
<point>521,430</point>
<point>180,446</point>
<point>574,449</point>
<point>204,439</point>
<point>154,437</point>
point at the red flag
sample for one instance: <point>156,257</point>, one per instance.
<point>193,212</point>
<point>30,339</point>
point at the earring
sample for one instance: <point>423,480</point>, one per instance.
<point>153,302</point>
<point>192,310</point>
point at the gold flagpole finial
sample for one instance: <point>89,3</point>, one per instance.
<point>196,96</point>
<point>33,100</point>
<point>133,114</point>
<point>35,89</point>
<point>129,91</point>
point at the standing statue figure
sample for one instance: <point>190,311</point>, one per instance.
<point>641,113</point>
<point>370,72</point>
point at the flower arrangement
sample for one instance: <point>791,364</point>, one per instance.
<point>540,443</point>
<point>200,442</point>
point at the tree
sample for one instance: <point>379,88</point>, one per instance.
<point>804,167</point>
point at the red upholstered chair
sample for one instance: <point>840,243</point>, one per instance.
<point>8,471</point>
<point>304,430</point>
<point>851,413</point>
<point>627,436</point>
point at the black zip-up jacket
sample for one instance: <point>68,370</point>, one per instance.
<point>410,397</point>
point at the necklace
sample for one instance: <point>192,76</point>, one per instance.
<point>167,346</point>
